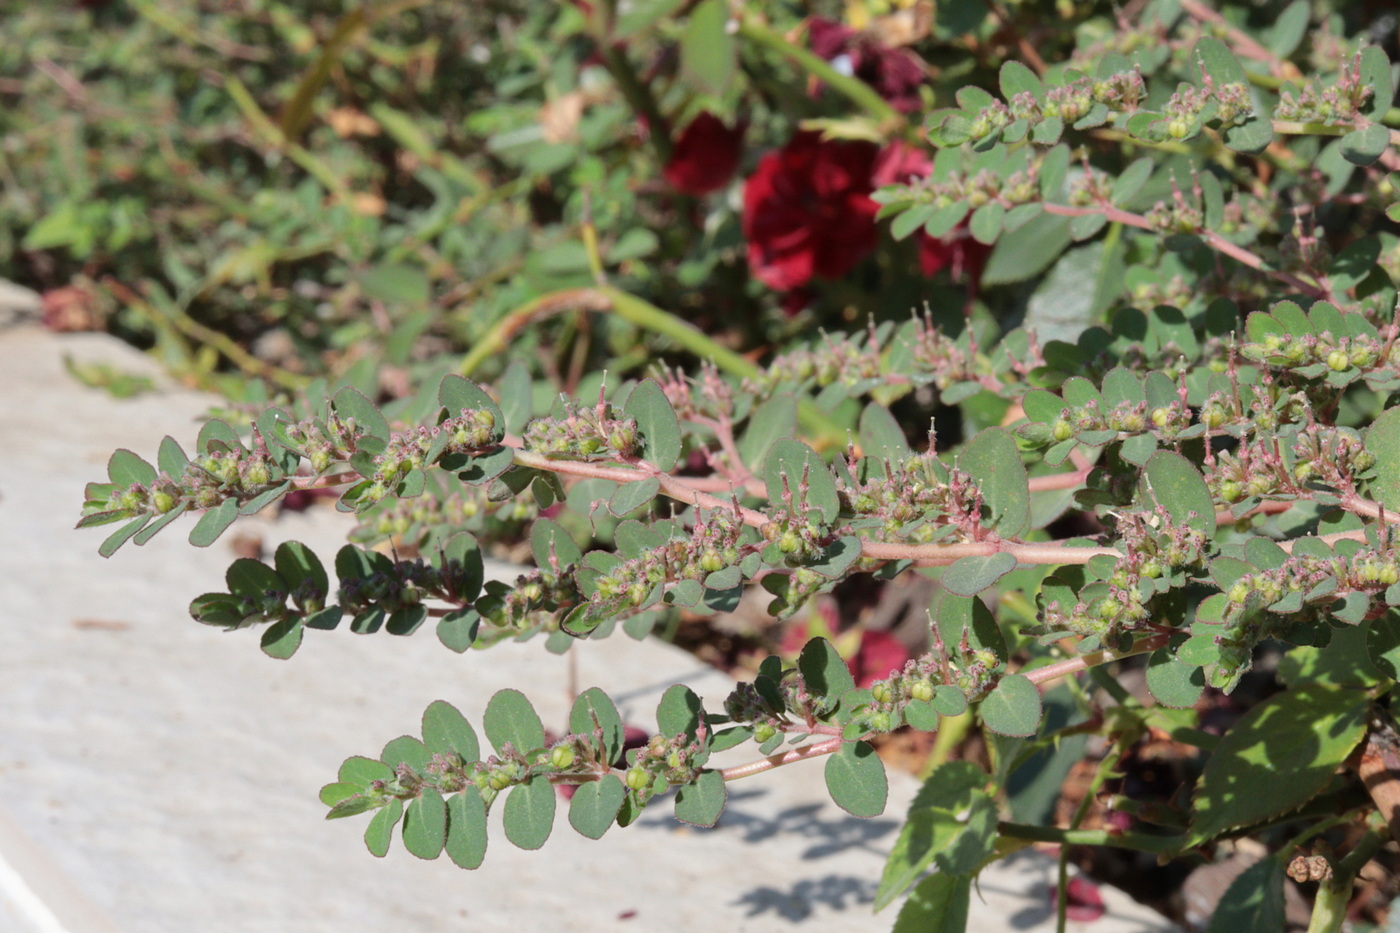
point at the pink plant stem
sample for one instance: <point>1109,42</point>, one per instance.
<point>1243,44</point>
<point>1040,677</point>
<point>816,749</point>
<point>1059,480</point>
<point>1048,552</point>
<point>1214,240</point>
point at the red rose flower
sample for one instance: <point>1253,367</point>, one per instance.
<point>895,73</point>
<point>900,163</point>
<point>705,155</point>
<point>808,212</point>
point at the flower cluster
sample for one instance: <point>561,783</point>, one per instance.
<point>714,544</point>
<point>583,434</point>
<point>1339,102</point>
<point>412,520</point>
<point>532,604</point>
<point>1323,352</point>
<point>920,501</point>
<point>231,473</point>
<point>1322,456</point>
<point>665,761</point>
<point>404,585</point>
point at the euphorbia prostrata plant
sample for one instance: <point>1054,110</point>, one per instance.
<point>1206,478</point>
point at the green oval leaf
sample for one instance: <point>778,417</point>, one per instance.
<point>125,468</point>
<point>281,639</point>
<point>793,460</point>
<point>1383,440</point>
<point>594,806</point>
<point>548,538</point>
<point>362,771</point>
<point>1364,146</point>
<point>1172,682</point>
<point>214,523</point>
<point>406,750</point>
<point>1176,485</point>
<point>700,802</point>
<point>594,710</point>
<point>880,434</point>
<point>511,720</point>
<point>380,831</point>
<point>969,576</point>
<point>425,824</point>
<point>351,403</point>
<point>1013,707</point>
<point>457,395</point>
<point>529,813</point>
<point>679,711</point>
<point>297,564</point>
<point>994,460</point>
<point>631,497</point>
<point>446,730</point>
<point>457,630</point>
<point>855,778</point>
<point>824,672</point>
<point>466,829</point>
<point>656,421</point>
<point>116,539</point>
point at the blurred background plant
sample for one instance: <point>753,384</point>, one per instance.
<point>294,189</point>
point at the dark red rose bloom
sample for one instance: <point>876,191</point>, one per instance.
<point>899,163</point>
<point>895,73</point>
<point>808,212</point>
<point>705,155</point>
<point>879,656</point>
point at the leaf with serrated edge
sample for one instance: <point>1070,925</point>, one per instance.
<point>1278,755</point>
<point>939,902</point>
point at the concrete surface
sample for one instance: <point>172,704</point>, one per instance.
<point>160,776</point>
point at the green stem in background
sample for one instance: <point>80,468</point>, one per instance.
<point>638,96</point>
<point>272,136</point>
<point>1105,769</point>
<point>298,110</point>
<point>1168,846</point>
<point>824,432</point>
<point>174,321</point>
<point>1334,894</point>
<point>818,424</point>
<point>859,93</point>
